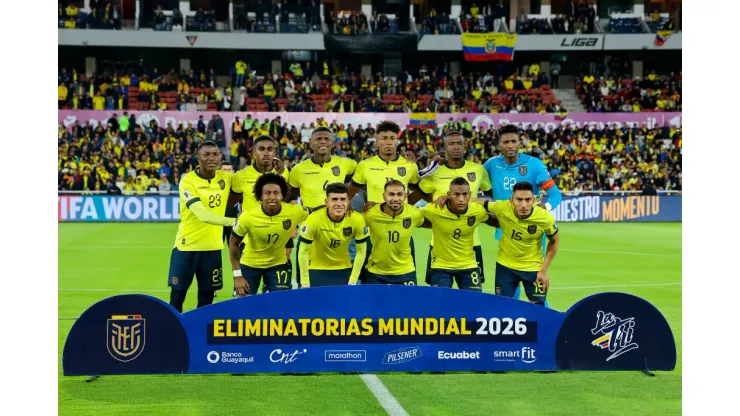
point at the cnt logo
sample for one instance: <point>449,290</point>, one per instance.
<point>525,355</point>
<point>616,334</point>
<point>214,357</point>
<point>402,355</point>
<point>278,356</point>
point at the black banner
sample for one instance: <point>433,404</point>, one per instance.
<point>377,43</point>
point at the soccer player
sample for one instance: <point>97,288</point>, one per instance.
<point>204,193</point>
<point>391,225</point>
<point>264,150</point>
<point>233,210</point>
<point>310,178</point>
<point>324,239</point>
<point>453,229</point>
<point>388,164</point>
<point>511,167</point>
<point>435,183</point>
<point>373,173</point>
<point>267,226</point>
<point>520,252</point>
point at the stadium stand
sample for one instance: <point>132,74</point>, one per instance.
<point>154,157</point>
<point>652,94</point>
<point>439,24</point>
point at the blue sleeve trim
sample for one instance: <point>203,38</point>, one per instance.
<point>361,240</point>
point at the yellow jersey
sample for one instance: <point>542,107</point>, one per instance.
<point>453,235</point>
<point>192,234</point>
<point>391,239</point>
<point>375,172</point>
<point>266,235</point>
<point>312,178</point>
<point>439,183</point>
<point>521,240</point>
<point>330,240</point>
<point>244,181</point>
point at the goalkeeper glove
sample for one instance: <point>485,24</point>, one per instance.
<point>429,170</point>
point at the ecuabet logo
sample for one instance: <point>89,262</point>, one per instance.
<point>458,355</point>
<point>126,337</point>
<point>616,333</point>
<point>402,355</point>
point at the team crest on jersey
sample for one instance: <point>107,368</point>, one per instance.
<point>471,176</point>
<point>347,231</point>
<point>287,224</point>
<point>532,229</point>
<point>407,223</point>
<point>523,170</point>
<point>222,184</point>
<point>471,221</point>
<point>401,171</point>
<point>335,170</point>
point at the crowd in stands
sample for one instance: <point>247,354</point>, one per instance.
<point>482,20</point>
<point>104,14</point>
<point>153,158</point>
<point>202,21</point>
<point>577,19</point>
<point>352,24</point>
<point>653,93</point>
<point>439,24</point>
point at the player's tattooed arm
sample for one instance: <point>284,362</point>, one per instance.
<point>234,198</point>
<point>240,284</point>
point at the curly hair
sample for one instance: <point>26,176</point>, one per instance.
<point>267,179</point>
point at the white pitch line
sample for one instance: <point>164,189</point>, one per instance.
<point>385,398</point>
<point>551,288</point>
<point>631,253</point>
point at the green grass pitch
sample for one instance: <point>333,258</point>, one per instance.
<point>644,259</point>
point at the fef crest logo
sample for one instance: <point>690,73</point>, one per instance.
<point>126,337</point>
<point>616,333</point>
<point>191,39</point>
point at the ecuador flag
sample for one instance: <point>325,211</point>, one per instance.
<point>495,46</point>
<point>423,119</point>
<point>662,36</point>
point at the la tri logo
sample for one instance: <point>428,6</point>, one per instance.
<point>616,334</point>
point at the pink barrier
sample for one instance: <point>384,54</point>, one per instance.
<point>548,121</point>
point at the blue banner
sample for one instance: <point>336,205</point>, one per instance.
<point>619,209</point>
<point>368,329</point>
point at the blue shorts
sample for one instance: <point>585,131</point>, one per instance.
<point>468,279</point>
<point>329,277</point>
<point>205,265</point>
<point>385,279</point>
<point>478,259</point>
<point>275,278</point>
<point>507,281</point>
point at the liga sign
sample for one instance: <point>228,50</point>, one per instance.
<point>379,328</point>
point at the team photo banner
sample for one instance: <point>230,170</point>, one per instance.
<point>99,208</point>
<point>377,328</point>
<point>548,121</point>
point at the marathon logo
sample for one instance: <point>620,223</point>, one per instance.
<point>345,356</point>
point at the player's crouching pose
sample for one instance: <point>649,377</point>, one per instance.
<point>204,195</point>
<point>391,227</point>
<point>323,254</point>
<point>453,225</point>
<point>267,226</point>
<point>520,252</point>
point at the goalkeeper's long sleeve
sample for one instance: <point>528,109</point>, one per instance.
<point>303,262</point>
<point>554,198</point>
<point>209,217</point>
<point>358,263</point>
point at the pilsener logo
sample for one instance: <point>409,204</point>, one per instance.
<point>345,355</point>
<point>402,355</point>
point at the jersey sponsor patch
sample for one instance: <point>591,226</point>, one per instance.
<point>471,221</point>
<point>532,229</point>
<point>222,184</point>
<point>347,231</point>
<point>471,176</point>
<point>523,170</point>
<point>401,171</point>
<point>287,224</point>
<point>407,223</point>
<point>335,170</point>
